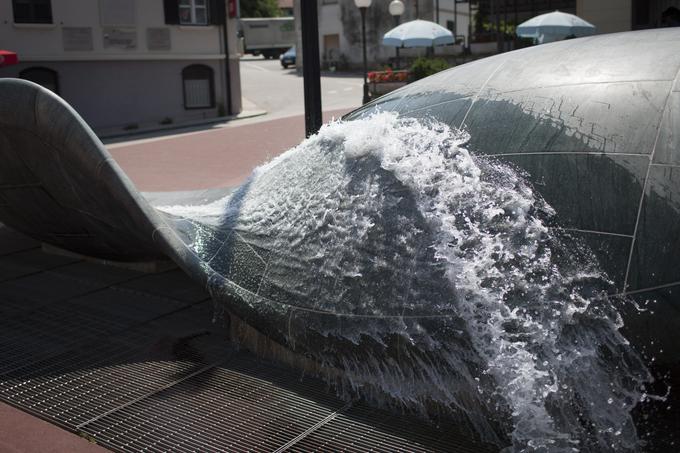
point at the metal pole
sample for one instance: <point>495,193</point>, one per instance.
<point>417,12</point>
<point>311,66</point>
<point>514,38</point>
<point>455,19</point>
<point>436,15</point>
<point>497,15</point>
<point>505,24</point>
<point>469,36</point>
<point>363,42</point>
<point>227,73</point>
<point>396,23</point>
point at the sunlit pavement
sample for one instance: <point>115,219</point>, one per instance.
<point>279,91</point>
<point>214,157</point>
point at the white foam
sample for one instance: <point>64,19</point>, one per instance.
<point>528,332</point>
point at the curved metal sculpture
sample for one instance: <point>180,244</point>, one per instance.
<point>341,253</point>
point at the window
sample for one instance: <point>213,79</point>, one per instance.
<point>42,76</point>
<point>32,11</point>
<point>193,12</point>
<point>199,89</point>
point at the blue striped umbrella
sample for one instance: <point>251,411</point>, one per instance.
<point>418,33</point>
<point>555,26</point>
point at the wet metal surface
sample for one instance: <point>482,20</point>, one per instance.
<point>133,362</point>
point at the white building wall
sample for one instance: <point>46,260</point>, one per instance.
<point>116,87</point>
<point>36,42</point>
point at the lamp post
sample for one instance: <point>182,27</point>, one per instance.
<point>311,67</point>
<point>396,10</point>
<point>363,5</point>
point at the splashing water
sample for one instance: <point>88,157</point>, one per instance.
<point>386,231</point>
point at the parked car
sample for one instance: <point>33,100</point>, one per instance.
<point>288,58</point>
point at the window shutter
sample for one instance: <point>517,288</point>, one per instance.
<point>217,12</point>
<point>171,8</point>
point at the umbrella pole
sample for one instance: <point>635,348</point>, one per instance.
<point>396,24</point>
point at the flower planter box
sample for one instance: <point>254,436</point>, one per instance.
<point>380,88</point>
<point>382,82</point>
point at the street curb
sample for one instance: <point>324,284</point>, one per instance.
<point>219,119</point>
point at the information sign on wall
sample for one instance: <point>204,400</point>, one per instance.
<point>121,38</point>
<point>158,38</point>
<point>77,38</point>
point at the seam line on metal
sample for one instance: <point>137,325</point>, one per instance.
<point>479,93</point>
<point>644,290</point>
<point>604,233</point>
<point>571,153</point>
<point>646,181</point>
<point>313,428</point>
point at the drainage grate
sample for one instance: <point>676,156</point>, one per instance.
<point>133,362</point>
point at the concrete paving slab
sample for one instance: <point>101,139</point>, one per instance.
<point>11,242</point>
<point>174,285</point>
<point>28,262</point>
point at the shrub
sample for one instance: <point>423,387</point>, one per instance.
<point>424,67</point>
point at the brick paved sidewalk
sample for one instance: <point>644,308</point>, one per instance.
<point>221,157</point>
<point>23,433</point>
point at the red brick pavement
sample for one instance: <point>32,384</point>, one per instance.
<point>214,158</point>
<point>23,433</point>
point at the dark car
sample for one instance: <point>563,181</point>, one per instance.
<point>288,57</point>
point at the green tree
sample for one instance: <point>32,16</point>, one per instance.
<point>259,8</point>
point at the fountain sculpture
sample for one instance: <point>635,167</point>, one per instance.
<point>471,241</point>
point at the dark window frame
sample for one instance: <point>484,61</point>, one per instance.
<point>187,75</point>
<point>193,7</point>
<point>215,10</point>
<point>51,72</point>
<point>32,17</point>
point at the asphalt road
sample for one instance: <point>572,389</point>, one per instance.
<point>280,91</point>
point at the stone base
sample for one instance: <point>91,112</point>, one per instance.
<point>267,349</point>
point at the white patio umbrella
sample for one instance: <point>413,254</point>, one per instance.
<point>555,26</point>
<point>418,33</point>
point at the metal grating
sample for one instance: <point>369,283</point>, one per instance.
<point>133,362</point>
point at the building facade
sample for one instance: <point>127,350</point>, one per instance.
<point>127,64</point>
<point>340,29</point>
<point>611,16</point>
